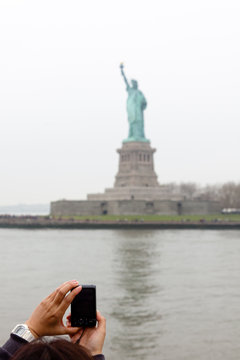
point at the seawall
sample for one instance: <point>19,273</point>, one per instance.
<point>28,222</point>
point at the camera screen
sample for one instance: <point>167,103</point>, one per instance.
<point>84,303</point>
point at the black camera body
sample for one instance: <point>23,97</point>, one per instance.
<point>84,307</point>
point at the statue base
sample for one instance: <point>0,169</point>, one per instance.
<point>136,166</point>
<point>136,178</point>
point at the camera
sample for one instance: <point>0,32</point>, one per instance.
<point>84,307</point>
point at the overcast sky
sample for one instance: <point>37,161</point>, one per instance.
<point>63,100</point>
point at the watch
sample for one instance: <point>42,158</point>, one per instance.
<point>22,330</point>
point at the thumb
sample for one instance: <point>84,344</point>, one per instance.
<point>101,320</point>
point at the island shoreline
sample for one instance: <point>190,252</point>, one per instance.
<point>31,223</point>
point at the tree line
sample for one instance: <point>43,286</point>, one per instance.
<point>228,194</point>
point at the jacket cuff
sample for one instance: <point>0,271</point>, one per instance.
<point>13,344</point>
<point>99,357</point>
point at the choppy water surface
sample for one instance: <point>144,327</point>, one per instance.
<point>166,294</point>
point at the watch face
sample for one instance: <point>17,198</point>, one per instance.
<point>20,331</point>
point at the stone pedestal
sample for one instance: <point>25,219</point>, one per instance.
<point>136,178</point>
<point>136,167</point>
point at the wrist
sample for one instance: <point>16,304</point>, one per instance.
<point>32,330</point>
<point>96,352</point>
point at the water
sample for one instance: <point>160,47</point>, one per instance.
<point>166,294</point>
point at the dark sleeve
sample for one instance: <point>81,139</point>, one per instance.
<point>11,346</point>
<point>99,357</point>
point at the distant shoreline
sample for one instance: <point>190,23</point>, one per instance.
<point>35,222</point>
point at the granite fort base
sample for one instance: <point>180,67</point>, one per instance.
<point>132,207</point>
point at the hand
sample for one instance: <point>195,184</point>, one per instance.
<point>47,318</point>
<point>91,338</point>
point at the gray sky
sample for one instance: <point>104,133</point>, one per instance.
<point>63,101</point>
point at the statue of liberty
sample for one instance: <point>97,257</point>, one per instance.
<point>136,104</point>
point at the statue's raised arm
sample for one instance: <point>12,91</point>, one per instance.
<point>124,76</point>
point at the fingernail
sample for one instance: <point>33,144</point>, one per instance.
<point>74,281</point>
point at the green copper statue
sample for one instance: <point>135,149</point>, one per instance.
<point>136,104</point>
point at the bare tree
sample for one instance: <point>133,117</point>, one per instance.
<point>188,190</point>
<point>230,195</point>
